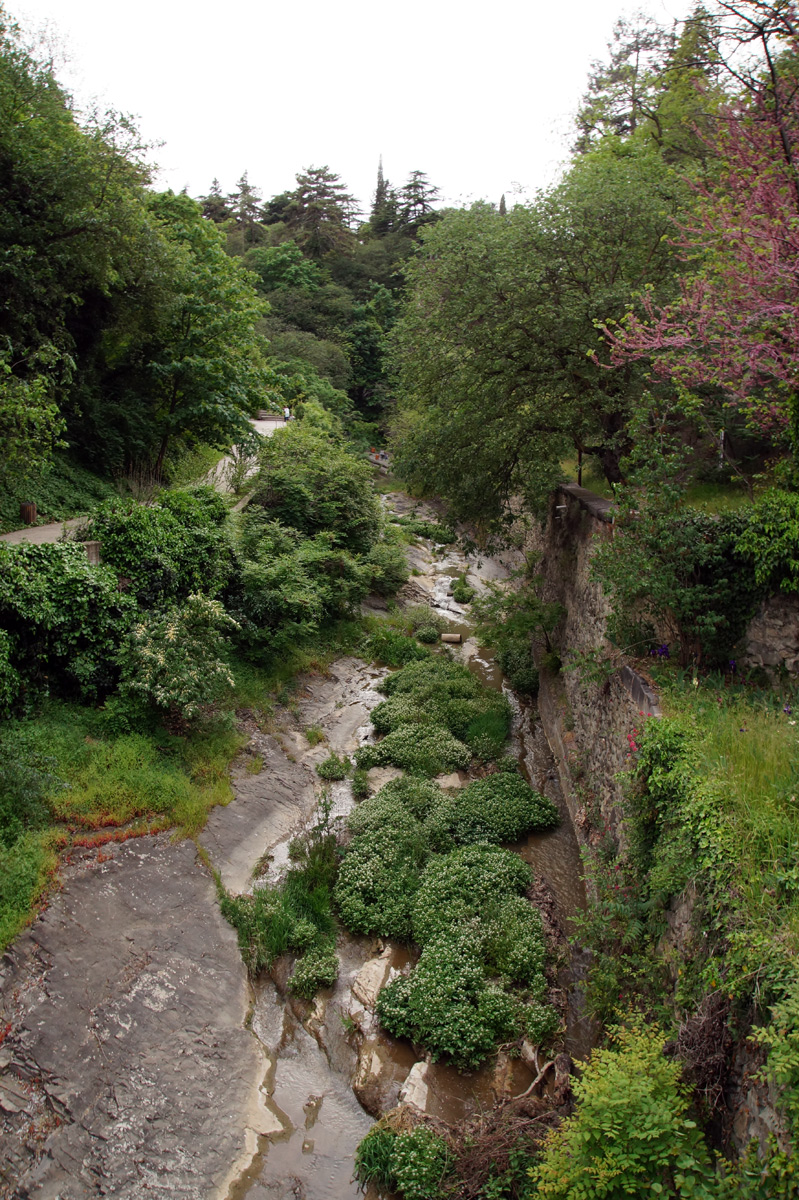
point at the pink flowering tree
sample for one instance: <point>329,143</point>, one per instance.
<point>734,329</point>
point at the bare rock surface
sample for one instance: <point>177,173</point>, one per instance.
<point>125,1005</point>
<point>267,806</point>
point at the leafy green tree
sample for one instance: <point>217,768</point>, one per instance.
<point>282,267</point>
<point>491,354</point>
<point>204,364</point>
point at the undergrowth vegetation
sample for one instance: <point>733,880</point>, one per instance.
<point>120,682</point>
<point>424,865</point>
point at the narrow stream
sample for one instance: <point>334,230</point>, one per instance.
<point>313,1058</point>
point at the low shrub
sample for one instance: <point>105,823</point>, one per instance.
<point>499,808</point>
<point>462,593</point>
<point>411,1162</point>
<point>631,1128</point>
<point>360,784</point>
<point>317,968</point>
<point>422,750</point>
<point>394,649</point>
<point>515,660</point>
<point>334,768</point>
<point>428,634</point>
<point>460,887</point>
<point>419,1161</point>
<point>488,731</point>
<point>27,778</point>
<point>388,568</point>
<point>447,1005</point>
<point>423,616</point>
<point>382,865</point>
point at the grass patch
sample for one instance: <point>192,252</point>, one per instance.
<point>66,490</point>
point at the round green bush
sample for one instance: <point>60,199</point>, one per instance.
<point>461,886</point>
<point>422,750</point>
<point>333,768</point>
<point>447,1005</point>
<point>427,634</point>
<point>499,808</point>
<point>317,968</point>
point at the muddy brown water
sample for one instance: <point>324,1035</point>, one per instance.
<point>318,1122</point>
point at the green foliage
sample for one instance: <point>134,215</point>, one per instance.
<point>63,490</point>
<point>312,484</point>
<point>769,541</point>
<point>27,779</point>
<point>491,348</point>
<point>166,550</point>
<point>360,784</point>
<point>427,634</point>
<point>458,889</point>
<point>389,567</point>
<point>680,569</point>
<point>512,621</point>
<point>333,767</point>
<point>380,872</point>
<point>63,620</point>
<point>394,649</point>
<point>294,916</point>
<point>461,592</point>
<point>631,1132</point>
<point>499,808</point>
<point>419,1162</point>
<point>446,1004</point>
<point>373,1158</point>
<point>423,751</point>
<point>177,660</point>
<point>411,1162</point>
<point>318,968</point>
<point>473,923</point>
<point>781,1037</point>
<point>23,874</point>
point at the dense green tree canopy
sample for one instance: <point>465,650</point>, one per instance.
<point>492,352</point>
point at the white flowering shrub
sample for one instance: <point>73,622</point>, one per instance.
<point>499,808</point>
<point>465,884</point>
<point>412,1162</point>
<point>448,1005</point>
<point>430,750</point>
<point>383,863</point>
<point>317,968</point>
<point>176,659</point>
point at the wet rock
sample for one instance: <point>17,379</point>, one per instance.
<point>127,998</point>
<point>382,1069</point>
<point>266,808</point>
<point>371,978</point>
<point>414,1091</point>
<point>379,776</point>
<point>457,779</point>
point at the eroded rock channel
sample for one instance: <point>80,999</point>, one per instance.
<point>137,1060</point>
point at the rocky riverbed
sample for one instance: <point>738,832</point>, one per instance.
<point>136,1058</point>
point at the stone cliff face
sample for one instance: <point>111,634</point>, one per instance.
<point>591,729</point>
<point>589,725</point>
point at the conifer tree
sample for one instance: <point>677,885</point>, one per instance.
<point>214,206</point>
<point>383,217</point>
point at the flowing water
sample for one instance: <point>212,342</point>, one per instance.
<point>318,1121</point>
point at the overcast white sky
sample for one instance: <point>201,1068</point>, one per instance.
<point>479,96</point>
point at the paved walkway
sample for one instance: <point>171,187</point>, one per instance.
<point>39,534</point>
